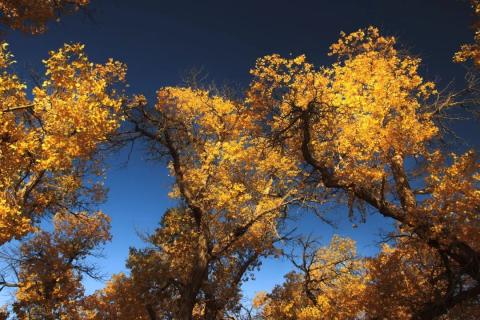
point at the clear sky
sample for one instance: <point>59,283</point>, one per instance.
<point>161,40</point>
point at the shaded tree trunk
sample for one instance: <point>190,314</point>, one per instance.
<point>197,277</point>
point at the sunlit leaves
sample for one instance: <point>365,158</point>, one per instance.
<point>364,126</point>
<point>359,109</point>
<point>471,51</point>
<point>49,145</point>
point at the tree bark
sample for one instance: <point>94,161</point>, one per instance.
<point>198,275</point>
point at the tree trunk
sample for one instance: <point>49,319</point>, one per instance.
<point>197,277</point>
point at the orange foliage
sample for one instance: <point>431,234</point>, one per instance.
<point>52,266</point>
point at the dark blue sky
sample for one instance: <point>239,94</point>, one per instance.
<point>161,40</point>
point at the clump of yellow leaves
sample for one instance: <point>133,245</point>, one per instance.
<point>397,283</point>
<point>455,197</point>
<point>77,105</point>
<point>358,110</point>
<point>15,142</point>
<point>399,274</point>
<point>221,168</point>
<point>408,278</point>
<point>471,51</point>
<point>47,144</point>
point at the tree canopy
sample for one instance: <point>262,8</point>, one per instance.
<point>367,131</point>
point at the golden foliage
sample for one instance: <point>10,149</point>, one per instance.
<point>365,105</point>
<point>235,188</point>
<point>331,287</point>
<point>355,126</point>
<point>33,16</point>
<point>46,143</point>
<point>471,51</point>
<point>52,266</point>
<point>118,300</point>
<point>455,197</point>
<point>363,125</point>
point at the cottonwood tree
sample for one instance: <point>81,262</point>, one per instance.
<point>234,188</point>
<point>159,276</point>
<point>50,136</point>
<point>333,283</point>
<point>406,277</point>
<point>361,127</point>
<point>52,264</point>
<point>121,299</point>
<point>329,284</point>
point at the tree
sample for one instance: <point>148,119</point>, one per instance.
<point>365,129</point>
<point>413,281</point>
<point>235,190</point>
<point>360,127</point>
<point>51,164</point>
<point>161,273</point>
<point>52,265</point>
<point>408,280</point>
<point>32,16</point>
<point>120,299</point>
<point>49,144</point>
<point>329,284</point>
